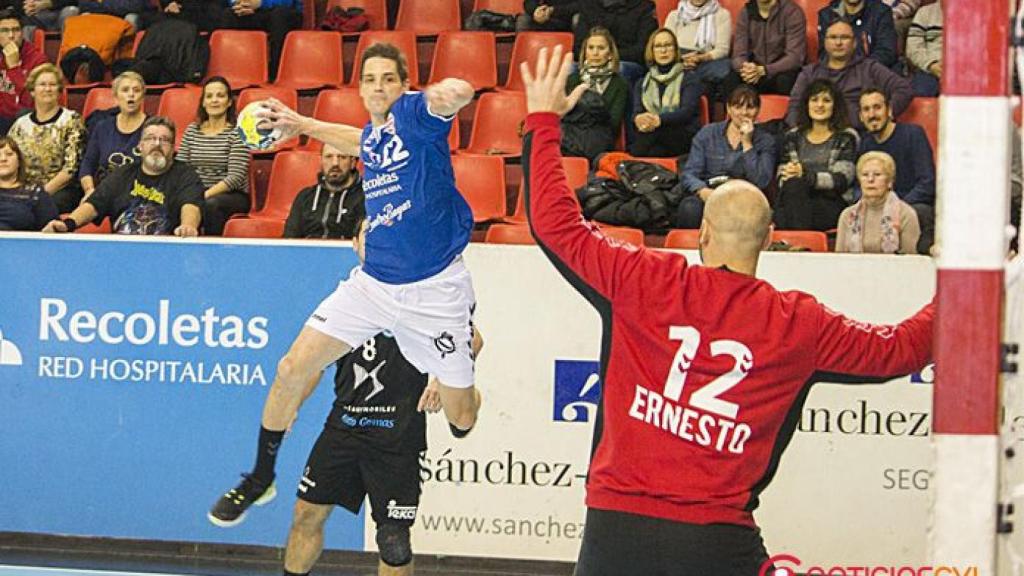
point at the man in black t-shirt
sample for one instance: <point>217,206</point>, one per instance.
<point>370,446</point>
<point>156,196</point>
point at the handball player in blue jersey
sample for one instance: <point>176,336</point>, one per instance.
<point>413,282</point>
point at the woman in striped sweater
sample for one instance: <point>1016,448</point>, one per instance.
<point>214,149</point>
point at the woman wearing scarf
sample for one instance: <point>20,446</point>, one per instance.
<point>592,126</point>
<point>667,101</point>
<point>880,222</point>
<point>703,31</point>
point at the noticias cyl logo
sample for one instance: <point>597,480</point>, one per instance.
<point>141,328</point>
<point>10,355</point>
<point>775,566</point>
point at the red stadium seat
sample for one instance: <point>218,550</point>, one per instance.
<point>623,234</point>
<point>291,172</point>
<point>404,41</point>
<point>287,96</point>
<point>181,106</point>
<point>810,8</point>
<point>450,59</point>
<point>525,50</point>
<point>428,17</point>
<point>663,7</point>
<point>253,228</point>
<point>705,111</point>
<point>812,240</point>
<point>341,106</point>
<point>240,56</point>
<point>509,234</point>
<point>481,180</point>
<point>496,122</point>
<point>500,6</point>
<point>310,59</point>
<point>376,12</point>
<point>453,135</point>
<point>682,239</point>
<point>925,112</point>
<point>576,172</point>
<point>99,98</point>
<point>39,40</point>
<point>773,107</point>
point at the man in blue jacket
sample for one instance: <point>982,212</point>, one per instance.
<point>873,28</point>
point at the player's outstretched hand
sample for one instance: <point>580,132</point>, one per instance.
<point>430,401</point>
<point>274,114</point>
<point>545,88</point>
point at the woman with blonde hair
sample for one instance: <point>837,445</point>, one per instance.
<point>666,102</point>
<point>50,138</point>
<point>114,140</point>
<point>595,122</point>
<point>880,222</point>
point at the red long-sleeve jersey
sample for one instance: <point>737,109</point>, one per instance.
<point>705,370</point>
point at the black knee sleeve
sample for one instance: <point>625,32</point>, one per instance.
<point>393,543</point>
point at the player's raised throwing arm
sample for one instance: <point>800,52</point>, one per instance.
<point>448,96</point>
<point>554,212</point>
<point>343,137</point>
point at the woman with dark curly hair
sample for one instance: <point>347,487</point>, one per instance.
<point>817,163</point>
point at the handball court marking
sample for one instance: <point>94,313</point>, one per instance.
<point>40,571</point>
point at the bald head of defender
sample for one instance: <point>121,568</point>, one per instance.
<point>737,225</point>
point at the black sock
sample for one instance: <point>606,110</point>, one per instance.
<point>287,573</point>
<point>266,455</point>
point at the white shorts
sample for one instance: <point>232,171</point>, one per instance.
<point>431,319</point>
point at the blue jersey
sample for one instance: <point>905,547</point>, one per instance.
<point>418,223</point>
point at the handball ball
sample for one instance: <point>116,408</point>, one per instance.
<point>253,136</point>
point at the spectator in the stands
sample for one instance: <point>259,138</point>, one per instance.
<point>769,47</point>
<point>908,146</point>
<point>873,26</point>
<point>592,126</point>
<point>851,74</point>
<point>205,14</point>
<point>275,17</point>
<point>213,147</point>
<point>703,29</point>
<point>47,14</point>
<point>630,22</point>
<point>548,15</point>
<point>879,222</point>
<point>156,196</point>
<point>19,58</point>
<point>51,139</point>
<point>903,12</point>
<point>735,148</point>
<point>333,207</point>
<point>130,10</point>
<point>666,103</point>
<point>924,49</point>
<point>23,207</point>
<point>816,167</point>
<point>114,139</point>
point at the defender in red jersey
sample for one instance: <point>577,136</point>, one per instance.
<point>705,368</point>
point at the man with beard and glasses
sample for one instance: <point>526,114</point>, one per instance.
<point>333,207</point>
<point>909,147</point>
<point>156,196</point>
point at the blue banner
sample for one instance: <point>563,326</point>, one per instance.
<point>132,379</point>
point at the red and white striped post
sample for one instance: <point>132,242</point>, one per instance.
<point>973,192</point>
